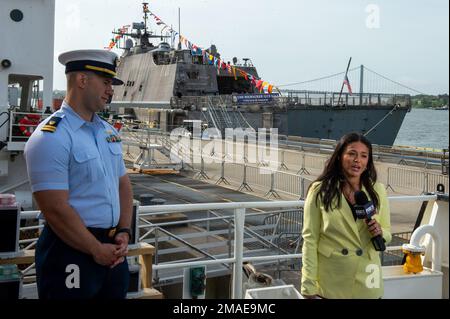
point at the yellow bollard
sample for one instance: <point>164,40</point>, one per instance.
<point>413,262</point>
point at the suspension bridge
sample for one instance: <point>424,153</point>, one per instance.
<point>362,80</point>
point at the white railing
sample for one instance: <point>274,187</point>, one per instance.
<point>239,219</point>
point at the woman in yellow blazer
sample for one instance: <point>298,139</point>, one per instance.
<point>339,259</point>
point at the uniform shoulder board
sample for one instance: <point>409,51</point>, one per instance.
<point>52,124</point>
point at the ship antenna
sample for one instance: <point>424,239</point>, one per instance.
<point>179,29</point>
<point>172,38</point>
<point>145,8</point>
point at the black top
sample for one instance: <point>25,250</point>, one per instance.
<point>352,208</point>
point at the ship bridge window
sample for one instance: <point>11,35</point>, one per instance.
<point>164,46</point>
<point>193,75</point>
<point>197,59</point>
<point>228,85</point>
<point>161,58</point>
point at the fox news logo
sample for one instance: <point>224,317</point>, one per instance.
<point>365,211</point>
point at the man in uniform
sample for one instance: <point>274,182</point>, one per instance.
<point>79,181</point>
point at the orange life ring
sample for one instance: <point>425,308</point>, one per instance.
<point>28,123</point>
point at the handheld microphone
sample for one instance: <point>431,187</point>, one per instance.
<point>365,210</point>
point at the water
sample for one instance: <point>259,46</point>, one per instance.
<point>424,128</point>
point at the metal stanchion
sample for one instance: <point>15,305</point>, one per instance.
<point>283,165</point>
<point>302,188</point>
<point>222,178</point>
<point>303,169</point>
<point>202,174</point>
<point>425,183</point>
<point>244,184</point>
<point>389,180</point>
<point>272,191</point>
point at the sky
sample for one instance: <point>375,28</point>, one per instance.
<point>288,41</point>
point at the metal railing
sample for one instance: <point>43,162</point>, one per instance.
<point>239,223</point>
<point>303,98</point>
<point>291,164</point>
<point>238,219</point>
<point>19,129</point>
<point>401,155</point>
<point>420,181</point>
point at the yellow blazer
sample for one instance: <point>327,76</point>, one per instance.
<point>339,260</point>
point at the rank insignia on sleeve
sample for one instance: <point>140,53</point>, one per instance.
<point>51,125</point>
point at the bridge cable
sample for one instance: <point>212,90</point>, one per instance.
<point>386,78</point>
<point>318,79</point>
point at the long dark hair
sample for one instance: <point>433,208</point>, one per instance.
<point>332,177</point>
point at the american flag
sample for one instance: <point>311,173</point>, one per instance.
<point>347,82</point>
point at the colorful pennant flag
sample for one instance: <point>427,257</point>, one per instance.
<point>229,68</point>
<point>196,50</point>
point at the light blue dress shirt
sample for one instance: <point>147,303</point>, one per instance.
<point>82,158</point>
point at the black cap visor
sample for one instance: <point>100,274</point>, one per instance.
<point>115,81</point>
<point>103,69</point>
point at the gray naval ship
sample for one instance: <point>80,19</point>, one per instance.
<point>167,87</point>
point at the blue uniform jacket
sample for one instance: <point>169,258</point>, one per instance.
<point>84,158</point>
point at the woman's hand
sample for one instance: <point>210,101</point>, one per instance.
<point>374,228</point>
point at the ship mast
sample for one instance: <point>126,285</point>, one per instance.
<point>142,34</point>
<point>145,9</point>
<point>179,29</point>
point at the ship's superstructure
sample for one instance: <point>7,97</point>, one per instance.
<point>166,85</point>
<point>160,72</point>
<point>26,59</point>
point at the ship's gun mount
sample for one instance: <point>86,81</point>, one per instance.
<point>247,62</point>
<point>142,36</point>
